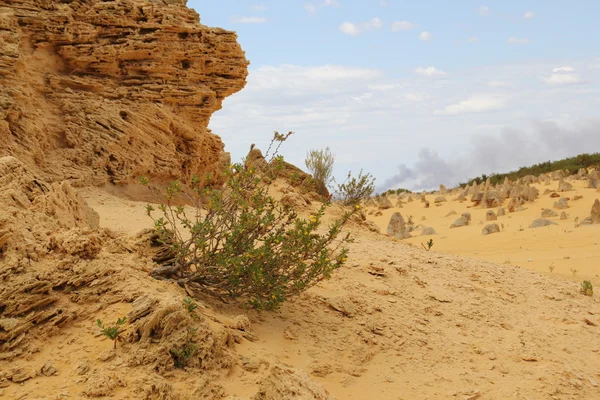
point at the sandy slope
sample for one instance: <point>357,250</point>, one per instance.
<point>564,246</point>
<point>396,323</point>
<point>400,323</point>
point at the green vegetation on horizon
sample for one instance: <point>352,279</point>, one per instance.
<point>572,165</point>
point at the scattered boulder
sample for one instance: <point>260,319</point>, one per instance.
<point>462,221</point>
<point>561,204</point>
<point>399,203</point>
<point>426,204</point>
<point>540,222</point>
<point>370,203</point>
<point>554,195</point>
<point>594,217</point>
<point>547,213</point>
<point>489,229</point>
<point>460,198</point>
<point>451,213</point>
<point>397,227</point>
<point>564,186</point>
<point>385,203</point>
<point>563,215</point>
<point>501,212</point>
<point>428,231</point>
<point>439,199</point>
<point>490,216</point>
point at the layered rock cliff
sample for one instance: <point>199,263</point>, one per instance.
<point>97,91</point>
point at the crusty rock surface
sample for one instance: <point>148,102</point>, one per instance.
<point>105,91</point>
<point>288,383</point>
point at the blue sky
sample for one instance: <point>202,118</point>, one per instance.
<point>416,92</point>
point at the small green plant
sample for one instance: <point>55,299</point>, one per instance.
<point>190,305</point>
<point>181,354</point>
<point>355,189</point>
<point>586,288</point>
<point>427,245</point>
<point>574,271</point>
<point>241,243</point>
<point>320,165</point>
<point>551,267</point>
<point>112,332</point>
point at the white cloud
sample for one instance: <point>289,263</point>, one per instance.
<point>425,36</point>
<point>563,79</point>
<point>402,26</point>
<point>475,104</point>
<point>352,29</point>
<point>248,20</point>
<point>484,11</point>
<point>497,84</point>
<point>310,8</point>
<point>514,40</point>
<point>384,3</point>
<point>343,106</point>
<point>528,15</point>
<point>472,39</point>
<point>430,71</point>
<point>361,98</point>
<point>563,69</point>
<point>259,7</point>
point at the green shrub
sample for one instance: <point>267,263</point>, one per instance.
<point>320,165</point>
<point>246,245</point>
<point>355,189</point>
<point>112,332</point>
<point>587,288</point>
<point>427,245</point>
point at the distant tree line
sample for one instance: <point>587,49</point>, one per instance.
<point>572,165</point>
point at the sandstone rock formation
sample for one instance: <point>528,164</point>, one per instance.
<point>385,203</point>
<point>564,186</point>
<point>397,227</point>
<point>547,213</point>
<point>563,215</point>
<point>540,222</point>
<point>105,91</point>
<point>489,229</point>
<point>594,217</point>
<point>490,216</point>
<point>428,231</point>
<point>462,221</point>
<point>288,383</point>
<point>501,212</point>
<point>561,204</point>
<point>439,199</point>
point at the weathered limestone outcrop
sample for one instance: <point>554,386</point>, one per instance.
<point>104,91</point>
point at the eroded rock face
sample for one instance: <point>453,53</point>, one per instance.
<point>104,91</point>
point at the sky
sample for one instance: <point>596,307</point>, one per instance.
<point>417,93</point>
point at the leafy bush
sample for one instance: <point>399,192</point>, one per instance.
<point>355,189</point>
<point>247,245</point>
<point>587,288</point>
<point>320,165</point>
<point>112,332</point>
